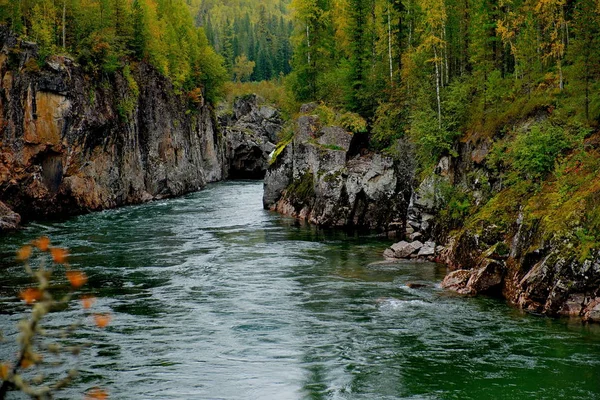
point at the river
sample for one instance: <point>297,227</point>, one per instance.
<point>214,298</point>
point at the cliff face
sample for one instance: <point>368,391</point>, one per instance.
<point>71,144</point>
<point>315,177</point>
<point>526,242</point>
<point>250,129</point>
<point>530,242</point>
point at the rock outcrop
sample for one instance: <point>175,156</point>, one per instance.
<point>72,144</point>
<point>506,250</point>
<point>250,131</point>
<point>314,177</point>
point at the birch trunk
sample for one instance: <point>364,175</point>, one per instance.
<point>390,47</point>
<point>437,87</point>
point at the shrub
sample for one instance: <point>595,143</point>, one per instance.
<point>42,347</point>
<point>534,153</point>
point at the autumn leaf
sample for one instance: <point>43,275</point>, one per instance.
<point>30,295</point>
<point>96,394</point>
<point>24,253</point>
<point>26,363</point>
<point>102,320</point>
<point>4,371</point>
<point>42,243</point>
<point>76,278</point>
<point>59,255</point>
<point>88,301</point>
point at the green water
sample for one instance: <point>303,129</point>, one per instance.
<point>215,298</point>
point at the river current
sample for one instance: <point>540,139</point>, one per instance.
<point>213,297</point>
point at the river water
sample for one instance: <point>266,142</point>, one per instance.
<point>214,298</point>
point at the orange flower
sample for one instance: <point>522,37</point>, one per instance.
<point>88,301</point>
<point>59,255</point>
<point>4,371</point>
<point>102,320</point>
<point>77,278</point>
<point>42,243</point>
<point>31,295</point>
<point>24,253</point>
<point>96,394</point>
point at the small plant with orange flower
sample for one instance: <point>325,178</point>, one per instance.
<point>42,347</point>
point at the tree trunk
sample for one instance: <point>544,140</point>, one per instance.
<point>437,88</point>
<point>64,21</point>
<point>390,46</point>
<point>308,43</point>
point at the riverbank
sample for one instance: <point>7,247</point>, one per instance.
<point>519,239</point>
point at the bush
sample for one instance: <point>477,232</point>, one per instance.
<point>534,153</point>
<point>43,347</point>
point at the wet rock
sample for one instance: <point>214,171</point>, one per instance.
<point>414,285</point>
<point>314,178</point>
<point>9,220</point>
<point>574,306</point>
<point>427,250</point>
<point>591,313</point>
<point>487,277</point>
<point>389,253</point>
<point>457,281</point>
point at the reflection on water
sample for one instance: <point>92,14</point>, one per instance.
<point>215,298</point>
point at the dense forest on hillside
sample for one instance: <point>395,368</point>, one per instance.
<point>106,35</point>
<point>435,67</point>
<point>518,80</point>
<point>252,36</point>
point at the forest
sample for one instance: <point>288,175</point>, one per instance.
<point>253,37</point>
<point>107,35</point>
<point>433,68</point>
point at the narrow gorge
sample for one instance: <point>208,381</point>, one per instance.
<point>73,144</point>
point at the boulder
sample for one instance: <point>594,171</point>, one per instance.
<point>427,250</point>
<point>9,220</point>
<point>389,253</point>
<point>250,131</point>
<point>457,281</point>
<point>487,277</point>
<point>415,235</point>
<point>593,315</point>
<point>574,305</point>
<point>344,189</point>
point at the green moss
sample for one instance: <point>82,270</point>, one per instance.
<point>125,108</point>
<point>302,190</point>
<point>334,176</point>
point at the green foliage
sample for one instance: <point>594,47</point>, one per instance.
<point>257,31</point>
<point>453,203</point>
<point>350,121</point>
<point>106,36</point>
<point>273,92</point>
<point>125,108</point>
<point>131,82</point>
<point>302,190</point>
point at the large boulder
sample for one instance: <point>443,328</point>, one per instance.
<point>9,220</point>
<point>315,177</point>
<point>250,131</point>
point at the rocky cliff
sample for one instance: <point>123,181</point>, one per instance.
<point>250,129</point>
<point>71,143</point>
<point>530,242</point>
<point>314,176</point>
